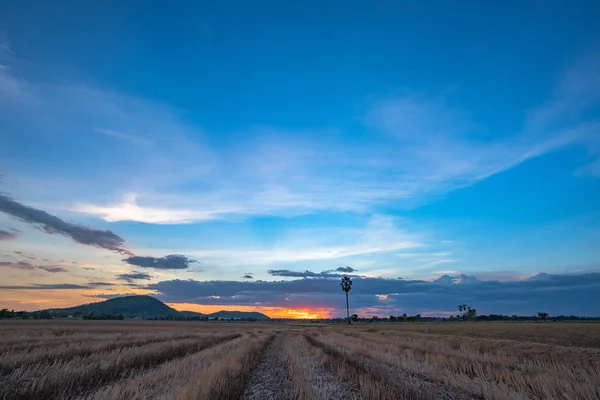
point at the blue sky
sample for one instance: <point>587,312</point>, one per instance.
<point>402,139</point>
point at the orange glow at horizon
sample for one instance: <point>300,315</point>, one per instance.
<point>33,300</point>
<point>272,312</point>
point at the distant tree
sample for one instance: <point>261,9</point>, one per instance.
<point>393,319</point>
<point>346,285</point>
<point>543,315</point>
<point>471,313</point>
<point>468,313</point>
<point>354,317</point>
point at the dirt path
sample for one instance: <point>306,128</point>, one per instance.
<point>270,380</point>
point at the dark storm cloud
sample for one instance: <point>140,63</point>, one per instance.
<point>53,225</point>
<point>247,276</point>
<point>306,274</point>
<point>7,235</point>
<point>134,276</point>
<point>173,261</point>
<point>345,269</point>
<point>555,294</point>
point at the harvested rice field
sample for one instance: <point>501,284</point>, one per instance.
<point>221,360</point>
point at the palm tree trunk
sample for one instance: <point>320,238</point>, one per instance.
<point>348,309</point>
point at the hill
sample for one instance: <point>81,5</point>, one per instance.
<point>128,306</point>
<point>238,315</point>
<point>145,307</point>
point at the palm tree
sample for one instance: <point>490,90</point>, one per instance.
<point>460,307</point>
<point>346,286</point>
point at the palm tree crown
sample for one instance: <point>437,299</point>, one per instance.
<point>346,284</point>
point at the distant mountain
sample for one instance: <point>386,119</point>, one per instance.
<point>238,315</point>
<point>455,280</point>
<point>146,307</point>
<point>128,306</point>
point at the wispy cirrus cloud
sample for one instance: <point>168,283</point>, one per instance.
<point>27,266</point>
<point>56,286</point>
<point>23,265</point>
<point>123,136</point>
<point>52,268</point>
<point>11,234</point>
<point>277,171</point>
<point>378,235</point>
<point>26,255</point>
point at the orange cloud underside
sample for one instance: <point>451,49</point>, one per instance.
<point>273,312</point>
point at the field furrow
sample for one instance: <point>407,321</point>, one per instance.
<point>67,351</point>
<point>376,380</point>
<point>66,378</point>
<point>312,378</point>
<point>225,378</point>
<point>162,382</point>
<point>493,372</point>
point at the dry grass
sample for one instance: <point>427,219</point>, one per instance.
<point>225,378</point>
<point>579,334</point>
<point>83,373</point>
<point>311,376</point>
<point>172,360</point>
<point>162,382</point>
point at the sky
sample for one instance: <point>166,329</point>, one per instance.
<point>245,156</point>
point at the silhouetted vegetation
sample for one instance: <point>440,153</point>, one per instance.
<point>346,285</point>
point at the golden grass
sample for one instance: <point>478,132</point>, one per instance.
<point>308,370</point>
<point>224,378</point>
<point>138,360</point>
<point>579,334</point>
<point>82,373</point>
<point>65,351</point>
<point>161,383</point>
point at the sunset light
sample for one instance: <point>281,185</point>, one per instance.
<point>272,312</point>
